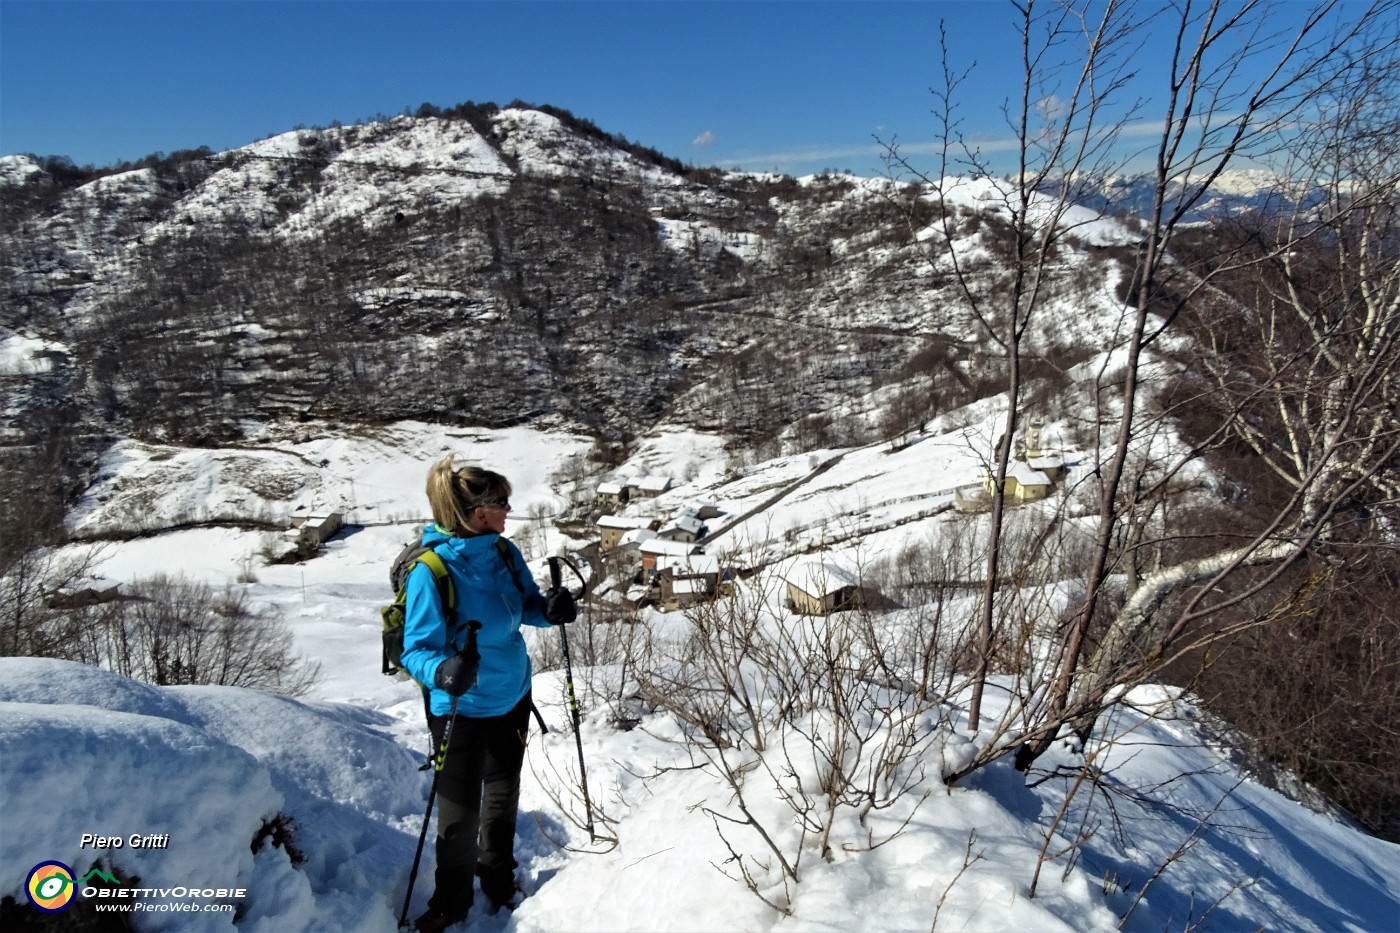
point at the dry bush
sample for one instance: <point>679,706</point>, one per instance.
<point>1317,693</point>
<point>815,724</point>
<point>176,631</point>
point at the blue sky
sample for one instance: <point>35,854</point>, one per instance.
<point>794,86</point>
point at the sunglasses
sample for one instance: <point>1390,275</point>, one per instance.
<point>501,503</point>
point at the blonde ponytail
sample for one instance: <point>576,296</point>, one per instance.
<point>455,492</point>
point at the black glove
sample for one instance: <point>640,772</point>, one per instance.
<point>559,607</point>
<point>456,675</point>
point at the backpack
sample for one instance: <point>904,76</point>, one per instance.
<point>395,613</point>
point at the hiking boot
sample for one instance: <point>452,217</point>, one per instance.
<point>435,921</point>
<point>498,884</point>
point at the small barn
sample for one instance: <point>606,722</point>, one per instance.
<point>821,586</point>
<point>648,487</point>
<point>703,509</point>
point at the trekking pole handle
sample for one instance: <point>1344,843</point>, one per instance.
<point>555,575</point>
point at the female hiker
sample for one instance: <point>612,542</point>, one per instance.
<point>479,785</point>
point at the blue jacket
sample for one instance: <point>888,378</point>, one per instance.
<point>487,593</point>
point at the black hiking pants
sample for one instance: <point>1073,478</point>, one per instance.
<point>478,796</point>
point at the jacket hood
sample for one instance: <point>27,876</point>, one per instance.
<point>434,535</point>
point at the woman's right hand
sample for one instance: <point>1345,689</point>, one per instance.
<point>456,675</point>
<point>559,607</point>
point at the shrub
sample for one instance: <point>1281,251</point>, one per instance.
<point>176,631</point>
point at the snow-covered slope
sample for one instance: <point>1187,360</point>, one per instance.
<point>209,766</point>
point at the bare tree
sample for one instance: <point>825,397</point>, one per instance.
<point>1343,439</point>
<point>815,712</point>
<point>1311,391</point>
<point>1064,139</point>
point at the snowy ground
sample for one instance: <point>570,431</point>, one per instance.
<point>87,752</point>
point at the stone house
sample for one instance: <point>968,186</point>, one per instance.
<point>314,529</point>
<point>610,495</point>
<point>613,527</point>
<point>685,582</point>
<point>659,553</point>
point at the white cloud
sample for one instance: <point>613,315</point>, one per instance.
<point>826,155</point>
<point>704,139</point>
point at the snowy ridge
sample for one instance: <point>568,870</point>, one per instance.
<point>368,174</point>
<point>294,276</point>
<point>372,475</point>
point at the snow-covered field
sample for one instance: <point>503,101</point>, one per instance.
<point>1196,844</point>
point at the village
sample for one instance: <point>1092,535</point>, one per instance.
<point>644,552</point>
<point>660,554</point>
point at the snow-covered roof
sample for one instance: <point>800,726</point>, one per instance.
<point>688,564</point>
<point>666,546</point>
<point>637,536</point>
<point>610,489</point>
<point>685,522</point>
<point>622,521</point>
<point>654,484</point>
<point>1025,475</point>
<point>820,576</point>
<point>1048,461</point>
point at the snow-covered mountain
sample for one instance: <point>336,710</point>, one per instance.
<point>1233,193</point>
<point>483,268</point>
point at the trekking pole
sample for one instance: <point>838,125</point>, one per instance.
<point>554,578</point>
<point>432,795</point>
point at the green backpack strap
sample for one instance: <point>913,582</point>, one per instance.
<point>433,561</point>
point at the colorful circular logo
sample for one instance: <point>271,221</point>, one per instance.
<point>50,886</point>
